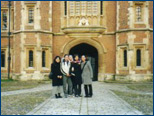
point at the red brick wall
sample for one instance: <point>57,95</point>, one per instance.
<point>17,50</point>
<point>4,42</point>
<point>58,43</point>
<point>151,51</point>
<point>17,18</point>
<point>56,14</point>
<point>30,38</point>
<point>151,14</point>
<point>111,16</point>
<point>45,39</point>
<point>123,37</point>
<point>123,14</point>
<point>140,35</point>
<point>110,57</point>
<point>44,12</point>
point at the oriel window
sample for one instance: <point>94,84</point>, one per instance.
<point>138,13</point>
<point>31,58</point>
<point>138,57</point>
<point>31,15</point>
<point>83,8</point>
<point>43,59</point>
<point>125,58</point>
<point>2,59</point>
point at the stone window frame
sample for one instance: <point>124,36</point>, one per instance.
<point>142,4</point>
<point>31,14</point>
<point>30,5</point>
<point>122,49</point>
<point>142,47</point>
<point>125,58</point>
<point>31,58</point>
<point>5,52</point>
<point>30,48</point>
<point>47,66</point>
<point>2,10</point>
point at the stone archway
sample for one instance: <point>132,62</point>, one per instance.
<point>100,48</point>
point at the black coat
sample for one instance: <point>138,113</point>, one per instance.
<point>76,74</point>
<point>55,67</point>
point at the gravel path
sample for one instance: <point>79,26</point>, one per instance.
<point>103,102</point>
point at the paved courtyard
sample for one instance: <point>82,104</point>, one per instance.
<point>103,102</point>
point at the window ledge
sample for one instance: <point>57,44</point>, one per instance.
<point>123,68</point>
<point>45,68</point>
<point>140,68</point>
<point>30,68</point>
<point>3,68</point>
<point>139,22</point>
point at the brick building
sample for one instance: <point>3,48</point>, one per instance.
<point>117,37</point>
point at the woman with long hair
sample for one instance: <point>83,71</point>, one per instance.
<point>57,81</point>
<point>76,75</point>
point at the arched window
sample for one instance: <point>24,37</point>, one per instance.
<point>138,57</point>
<point>43,59</point>
<point>2,59</point>
<point>125,58</point>
<point>30,58</point>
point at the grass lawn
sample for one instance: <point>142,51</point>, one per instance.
<point>23,103</point>
<point>143,103</point>
<point>10,85</point>
<point>142,87</point>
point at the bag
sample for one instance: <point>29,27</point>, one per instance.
<point>50,75</point>
<point>83,67</point>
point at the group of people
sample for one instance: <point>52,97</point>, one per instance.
<point>68,75</point>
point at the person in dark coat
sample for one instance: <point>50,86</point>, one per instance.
<point>76,75</point>
<point>57,81</point>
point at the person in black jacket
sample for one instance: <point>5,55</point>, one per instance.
<point>57,80</point>
<point>75,71</point>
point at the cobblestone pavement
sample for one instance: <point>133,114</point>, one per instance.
<point>103,102</point>
<point>36,89</point>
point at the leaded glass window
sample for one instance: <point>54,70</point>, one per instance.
<point>138,13</point>
<point>30,58</point>
<point>31,15</point>
<point>43,59</point>
<point>125,58</point>
<point>2,59</point>
<point>138,57</point>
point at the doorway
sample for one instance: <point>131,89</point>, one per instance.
<point>91,53</point>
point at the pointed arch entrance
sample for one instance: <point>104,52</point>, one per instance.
<point>66,49</point>
<point>91,53</point>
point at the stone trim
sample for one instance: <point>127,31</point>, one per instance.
<point>128,30</point>
<point>32,31</point>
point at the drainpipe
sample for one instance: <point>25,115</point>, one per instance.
<point>9,33</point>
